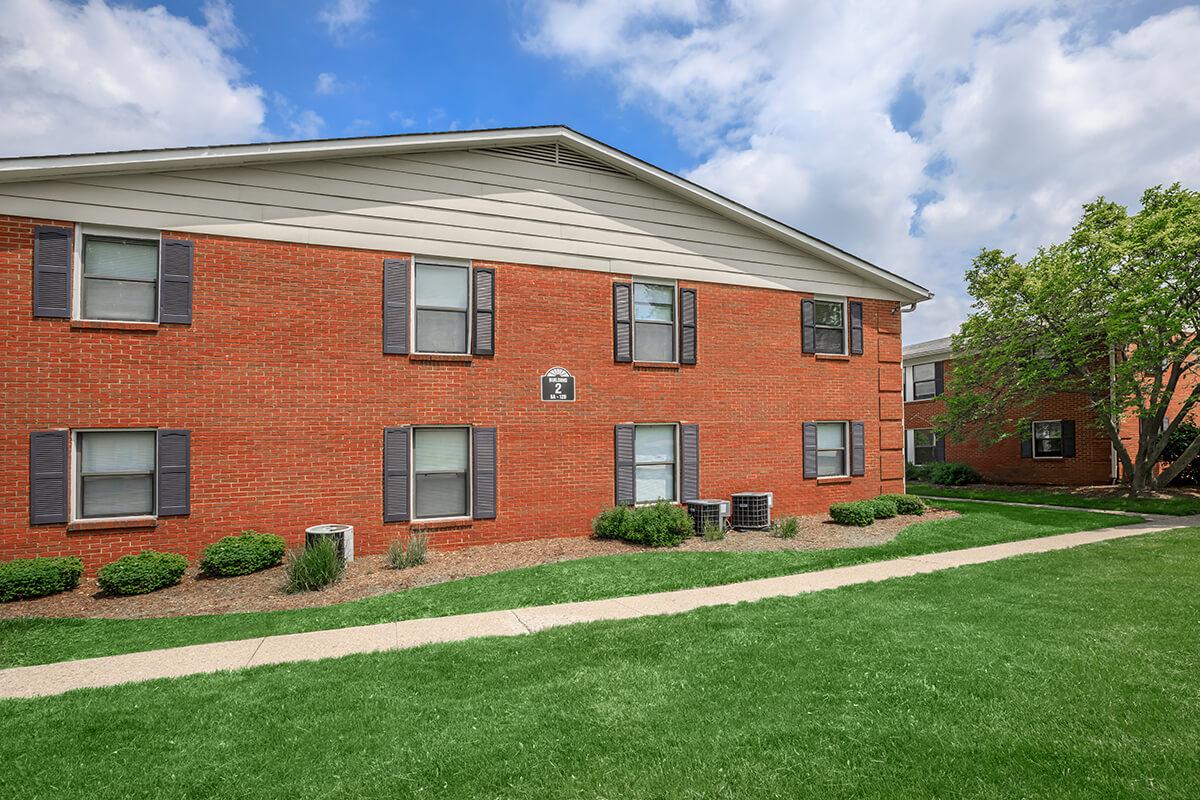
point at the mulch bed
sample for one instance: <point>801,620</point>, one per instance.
<point>368,576</point>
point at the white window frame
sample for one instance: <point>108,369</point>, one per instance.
<point>633,320</point>
<point>109,232</point>
<point>432,261</point>
<point>412,473</point>
<point>911,443</point>
<point>821,298</point>
<point>845,447</point>
<point>75,489</point>
<point>913,381</point>
<point>674,465</point>
<point>1033,444</point>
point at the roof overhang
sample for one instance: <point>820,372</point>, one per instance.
<point>32,168</point>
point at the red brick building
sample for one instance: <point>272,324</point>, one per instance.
<point>269,337</point>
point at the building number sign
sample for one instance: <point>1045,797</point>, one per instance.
<point>558,386</point>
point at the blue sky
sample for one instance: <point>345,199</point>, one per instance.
<point>910,132</point>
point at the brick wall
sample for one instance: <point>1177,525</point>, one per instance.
<point>282,382</point>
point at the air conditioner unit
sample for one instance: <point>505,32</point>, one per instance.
<point>707,513</point>
<point>752,510</point>
<point>342,536</point>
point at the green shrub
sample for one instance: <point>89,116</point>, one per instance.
<point>660,525</point>
<point>23,578</point>
<point>1184,435</point>
<point>241,555</point>
<point>410,553</point>
<point>952,473</point>
<point>713,533</point>
<point>786,528</point>
<point>859,512</point>
<point>884,507</point>
<point>313,568</point>
<point>908,504</point>
<point>148,571</point>
<point>918,472</point>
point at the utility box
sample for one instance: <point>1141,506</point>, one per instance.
<point>706,513</point>
<point>342,536</point>
<point>752,511</point>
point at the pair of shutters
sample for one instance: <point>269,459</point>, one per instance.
<point>625,463</point>
<point>857,448</point>
<point>50,479</point>
<point>396,299</point>
<point>52,276</point>
<point>1068,440</point>
<point>808,326</point>
<point>397,470</point>
<point>623,324</point>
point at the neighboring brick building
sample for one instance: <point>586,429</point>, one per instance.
<point>202,341</point>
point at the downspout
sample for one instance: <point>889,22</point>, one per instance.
<point>903,410</point>
<point>1114,463</point>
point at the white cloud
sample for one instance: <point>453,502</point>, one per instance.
<point>301,123</point>
<point>102,77</point>
<point>327,83</point>
<point>1030,109</point>
<point>341,17</point>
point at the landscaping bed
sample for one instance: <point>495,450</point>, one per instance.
<point>368,576</point>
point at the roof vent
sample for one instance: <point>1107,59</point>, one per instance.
<point>552,153</point>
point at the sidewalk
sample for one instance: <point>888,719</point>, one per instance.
<point>50,679</point>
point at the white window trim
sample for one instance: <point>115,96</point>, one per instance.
<point>910,383</point>
<point>412,304</point>
<point>73,467</point>
<point>633,320</point>
<point>845,447</point>
<point>911,443</point>
<point>1033,440</point>
<point>82,231</point>
<point>412,474</point>
<point>674,466</point>
<point>845,302</point>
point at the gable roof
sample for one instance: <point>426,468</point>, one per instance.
<point>932,347</point>
<point>28,168</point>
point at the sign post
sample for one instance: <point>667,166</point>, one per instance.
<point>558,386</point>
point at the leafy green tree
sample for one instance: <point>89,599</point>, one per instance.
<point>1112,313</point>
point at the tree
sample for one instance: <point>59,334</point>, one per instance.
<point>1111,313</point>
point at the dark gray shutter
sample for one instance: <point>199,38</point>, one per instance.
<point>939,377</point>
<point>623,460</point>
<point>395,305</point>
<point>808,326</point>
<point>689,462</point>
<point>483,473</point>
<point>858,448</point>
<point>810,449</point>
<point>51,271</point>
<point>175,286</point>
<point>174,473</point>
<point>1068,438</point>
<point>48,477</point>
<point>1027,445</point>
<point>856,330</point>
<point>485,312</point>
<point>687,326</point>
<point>395,474</point>
<point>622,322</point>
<point>939,448</point>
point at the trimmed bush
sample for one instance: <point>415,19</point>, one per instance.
<point>918,472</point>
<point>313,568</point>
<point>884,507</point>
<point>908,504</point>
<point>952,473</point>
<point>786,528</point>
<point>24,578</point>
<point>148,571</point>
<point>859,512</point>
<point>410,553</point>
<point>242,554</point>
<point>658,525</point>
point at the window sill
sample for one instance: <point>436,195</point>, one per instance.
<point>923,399</point>
<point>670,365</point>
<point>446,524</point>
<point>447,358</point>
<point>123,523</point>
<point>832,356</point>
<point>89,324</point>
<point>833,479</point>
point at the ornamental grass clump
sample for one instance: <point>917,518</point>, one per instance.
<point>241,555</point>
<point>148,571</point>
<point>410,553</point>
<point>786,528</point>
<point>713,533</point>
<point>859,512</point>
<point>25,578</point>
<point>314,567</point>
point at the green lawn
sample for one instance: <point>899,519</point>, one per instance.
<point>39,640</point>
<point>1073,674</point>
<point>1179,506</point>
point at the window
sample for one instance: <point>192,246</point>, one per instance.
<point>830,326</point>
<point>831,449</point>
<point>654,463</point>
<point>114,473</point>
<point>442,298</point>
<point>653,322</point>
<point>924,446</point>
<point>1048,439</point>
<point>924,381</point>
<point>440,472</point>
<point>120,279</point>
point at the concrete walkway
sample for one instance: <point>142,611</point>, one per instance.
<point>57,678</point>
<point>1142,514</point>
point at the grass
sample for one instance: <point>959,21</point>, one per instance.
<point>1073,674</point>
<point>40,640</point>
<point>1177,506</point>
